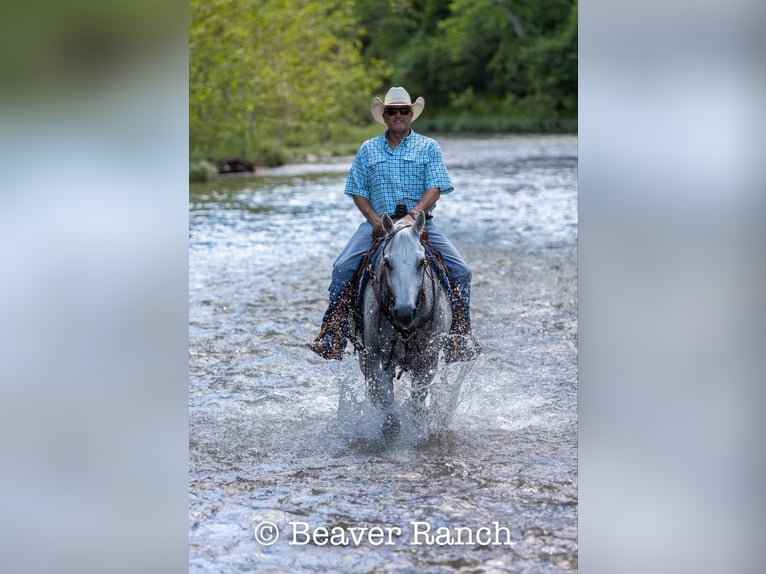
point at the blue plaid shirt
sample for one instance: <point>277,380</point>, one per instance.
<point>387,177</point>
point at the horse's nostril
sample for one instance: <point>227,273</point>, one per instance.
<point>404,313</point>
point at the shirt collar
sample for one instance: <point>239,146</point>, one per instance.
<point>406,140</point>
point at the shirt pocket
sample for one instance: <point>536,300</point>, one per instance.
<point>414,171</point>
<point>378,173</point>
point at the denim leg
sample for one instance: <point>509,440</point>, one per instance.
<point>455,262</point>
<point>463,286</point>
<point>349,260</point>
<point>458,268</point>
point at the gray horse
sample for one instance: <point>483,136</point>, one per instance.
<point>406,317</point>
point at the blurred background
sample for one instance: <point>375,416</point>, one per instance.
<point>100,107</point>
<point>670,278</point>
<point>271,80</point>
<point>93,287</point>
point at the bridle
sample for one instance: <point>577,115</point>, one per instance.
<point>385,298</point>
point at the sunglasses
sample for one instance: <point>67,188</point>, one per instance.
<point>403,111</point>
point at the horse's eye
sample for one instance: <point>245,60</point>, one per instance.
<point>387,262</point>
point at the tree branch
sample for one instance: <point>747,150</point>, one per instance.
<point>512,18</point>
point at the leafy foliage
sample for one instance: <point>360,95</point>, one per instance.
<point>265,71</point>
<point>269,74</point>
<point>201,170</point>
<point>514,57</point>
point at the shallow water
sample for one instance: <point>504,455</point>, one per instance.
<point>279,435</point>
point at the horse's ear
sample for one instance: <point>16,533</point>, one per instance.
<point>420,221</point>
<point>388,223</point>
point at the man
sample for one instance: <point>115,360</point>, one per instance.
<point>399,167</point>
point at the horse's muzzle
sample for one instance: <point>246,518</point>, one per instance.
<point>405,314</point>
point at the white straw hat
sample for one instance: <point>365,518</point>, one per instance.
<point>396,97</point>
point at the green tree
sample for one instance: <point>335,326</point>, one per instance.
<point>403,34</point>
<point>274,71</point>
<point>487,42</point>
<point>552,64</point>
<point>488,56</point>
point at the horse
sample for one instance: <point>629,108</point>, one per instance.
<point>406,314</point>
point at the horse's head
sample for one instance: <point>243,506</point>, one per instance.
<point>404,260</point>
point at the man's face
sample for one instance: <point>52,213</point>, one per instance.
<point>398,124</point>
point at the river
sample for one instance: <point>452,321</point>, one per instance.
<point>278,442</point>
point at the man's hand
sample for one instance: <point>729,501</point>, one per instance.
<point>377,230</point>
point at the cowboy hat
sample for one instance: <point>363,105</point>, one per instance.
<point>396,97</point>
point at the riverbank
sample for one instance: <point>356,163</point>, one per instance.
<point>228,161</point>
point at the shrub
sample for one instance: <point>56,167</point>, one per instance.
<point>201,170</point>
<point>270,154</point>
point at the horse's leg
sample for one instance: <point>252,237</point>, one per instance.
<point>382,385</point>
<point>422,376</point>
<point>379,384</point>
<point>380,389</point>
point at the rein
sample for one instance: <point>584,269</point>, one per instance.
<point>385,299</point>
<point>387,304</point>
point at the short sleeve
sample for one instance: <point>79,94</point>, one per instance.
<point>356,182</point>
<point>436,171</point>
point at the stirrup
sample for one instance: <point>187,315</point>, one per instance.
<point>461,348</point>
<point>326,348</point>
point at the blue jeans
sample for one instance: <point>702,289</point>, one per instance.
<point>351,256</point>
